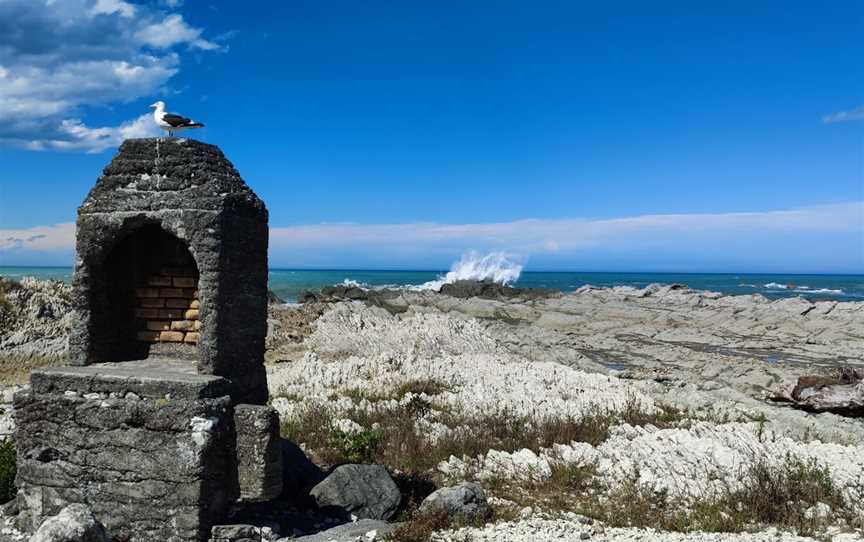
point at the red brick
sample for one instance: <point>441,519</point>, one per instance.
<point>171,314</point>
<point>170,292</point>
<point>171,336</point>
<point>151,302</point>
<point>184,282</point>
<point>177,303</point>
<point>182,325</point>
<point>147,292</point>
<point>159,281</point>
<point>147,313</point>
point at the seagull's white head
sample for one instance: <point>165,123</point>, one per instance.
<point>158,105</point>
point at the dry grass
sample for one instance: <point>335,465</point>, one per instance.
<point>769,495</point>
<point>420,527</point>
<point>391,436</point>
<point>16,368</point>
<point>777,495</point>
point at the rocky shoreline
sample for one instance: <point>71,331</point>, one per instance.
<point>675,394</point>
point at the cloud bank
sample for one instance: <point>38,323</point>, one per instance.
<point>827,238</point>
<point>59,57</point>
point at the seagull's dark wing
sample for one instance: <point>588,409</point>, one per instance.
<point>176,120</point>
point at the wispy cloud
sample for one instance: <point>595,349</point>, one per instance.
<point>752,238</point>
<point>843,116</point>
<point>544,235</point>
<point>59,237</point>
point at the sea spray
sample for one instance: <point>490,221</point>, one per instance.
<point>497,267</point>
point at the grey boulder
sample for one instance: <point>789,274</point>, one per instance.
<point>75,523</point>
<point>466,502</point>
<point>364,491</point>
<point>348,532</point>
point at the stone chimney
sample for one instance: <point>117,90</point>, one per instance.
<point>172,263</point>
<point>159,424</point>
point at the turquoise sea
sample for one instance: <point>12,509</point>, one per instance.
<point>288,283</point>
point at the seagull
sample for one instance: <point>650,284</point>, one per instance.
<point>170,122</point>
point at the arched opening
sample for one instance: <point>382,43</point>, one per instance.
<point>152,296</point>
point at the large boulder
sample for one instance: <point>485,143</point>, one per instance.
<point>363,491</point>
<point>75,523</point>
<point>366,530</point>
<point>464,502</point>
<point>492,290</point>
<point>841,394</point>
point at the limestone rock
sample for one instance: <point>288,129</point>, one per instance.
<point>843,394</point>
<point>466,501</point>
<point>492,290</point>
<point>364,491</point>
<point>75,523</point>
<point>242,533</point>
<point>35,317</point>
<point>366,530</point>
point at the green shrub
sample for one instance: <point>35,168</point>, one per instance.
<point>356,447</point>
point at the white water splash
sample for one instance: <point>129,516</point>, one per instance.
<point>497,267</point>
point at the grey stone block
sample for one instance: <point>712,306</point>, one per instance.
<point>234,532</point>
<point>364,491</point>
<point>75,523</point>
<point>259,453</point>
<point>149,381</point>
<point>466,501</point>
<point>149,469</point>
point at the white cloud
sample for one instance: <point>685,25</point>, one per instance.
<point>107,7</point>
<point>57,59</point>
<point>172,31</point>
<point>843,116</point>
<point>92,140</point>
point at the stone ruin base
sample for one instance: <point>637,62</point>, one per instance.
<point>154,452</point>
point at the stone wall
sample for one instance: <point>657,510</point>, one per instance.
<point>154,459</point>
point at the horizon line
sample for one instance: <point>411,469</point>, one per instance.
<point>560,271</point>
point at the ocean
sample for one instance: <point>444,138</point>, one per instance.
<point>289,283</point>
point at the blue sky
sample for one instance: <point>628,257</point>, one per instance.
<point>679,136</point>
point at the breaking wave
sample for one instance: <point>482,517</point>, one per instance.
<point>800,289</point>
<point>776,286</point>
<point>497,267</point>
